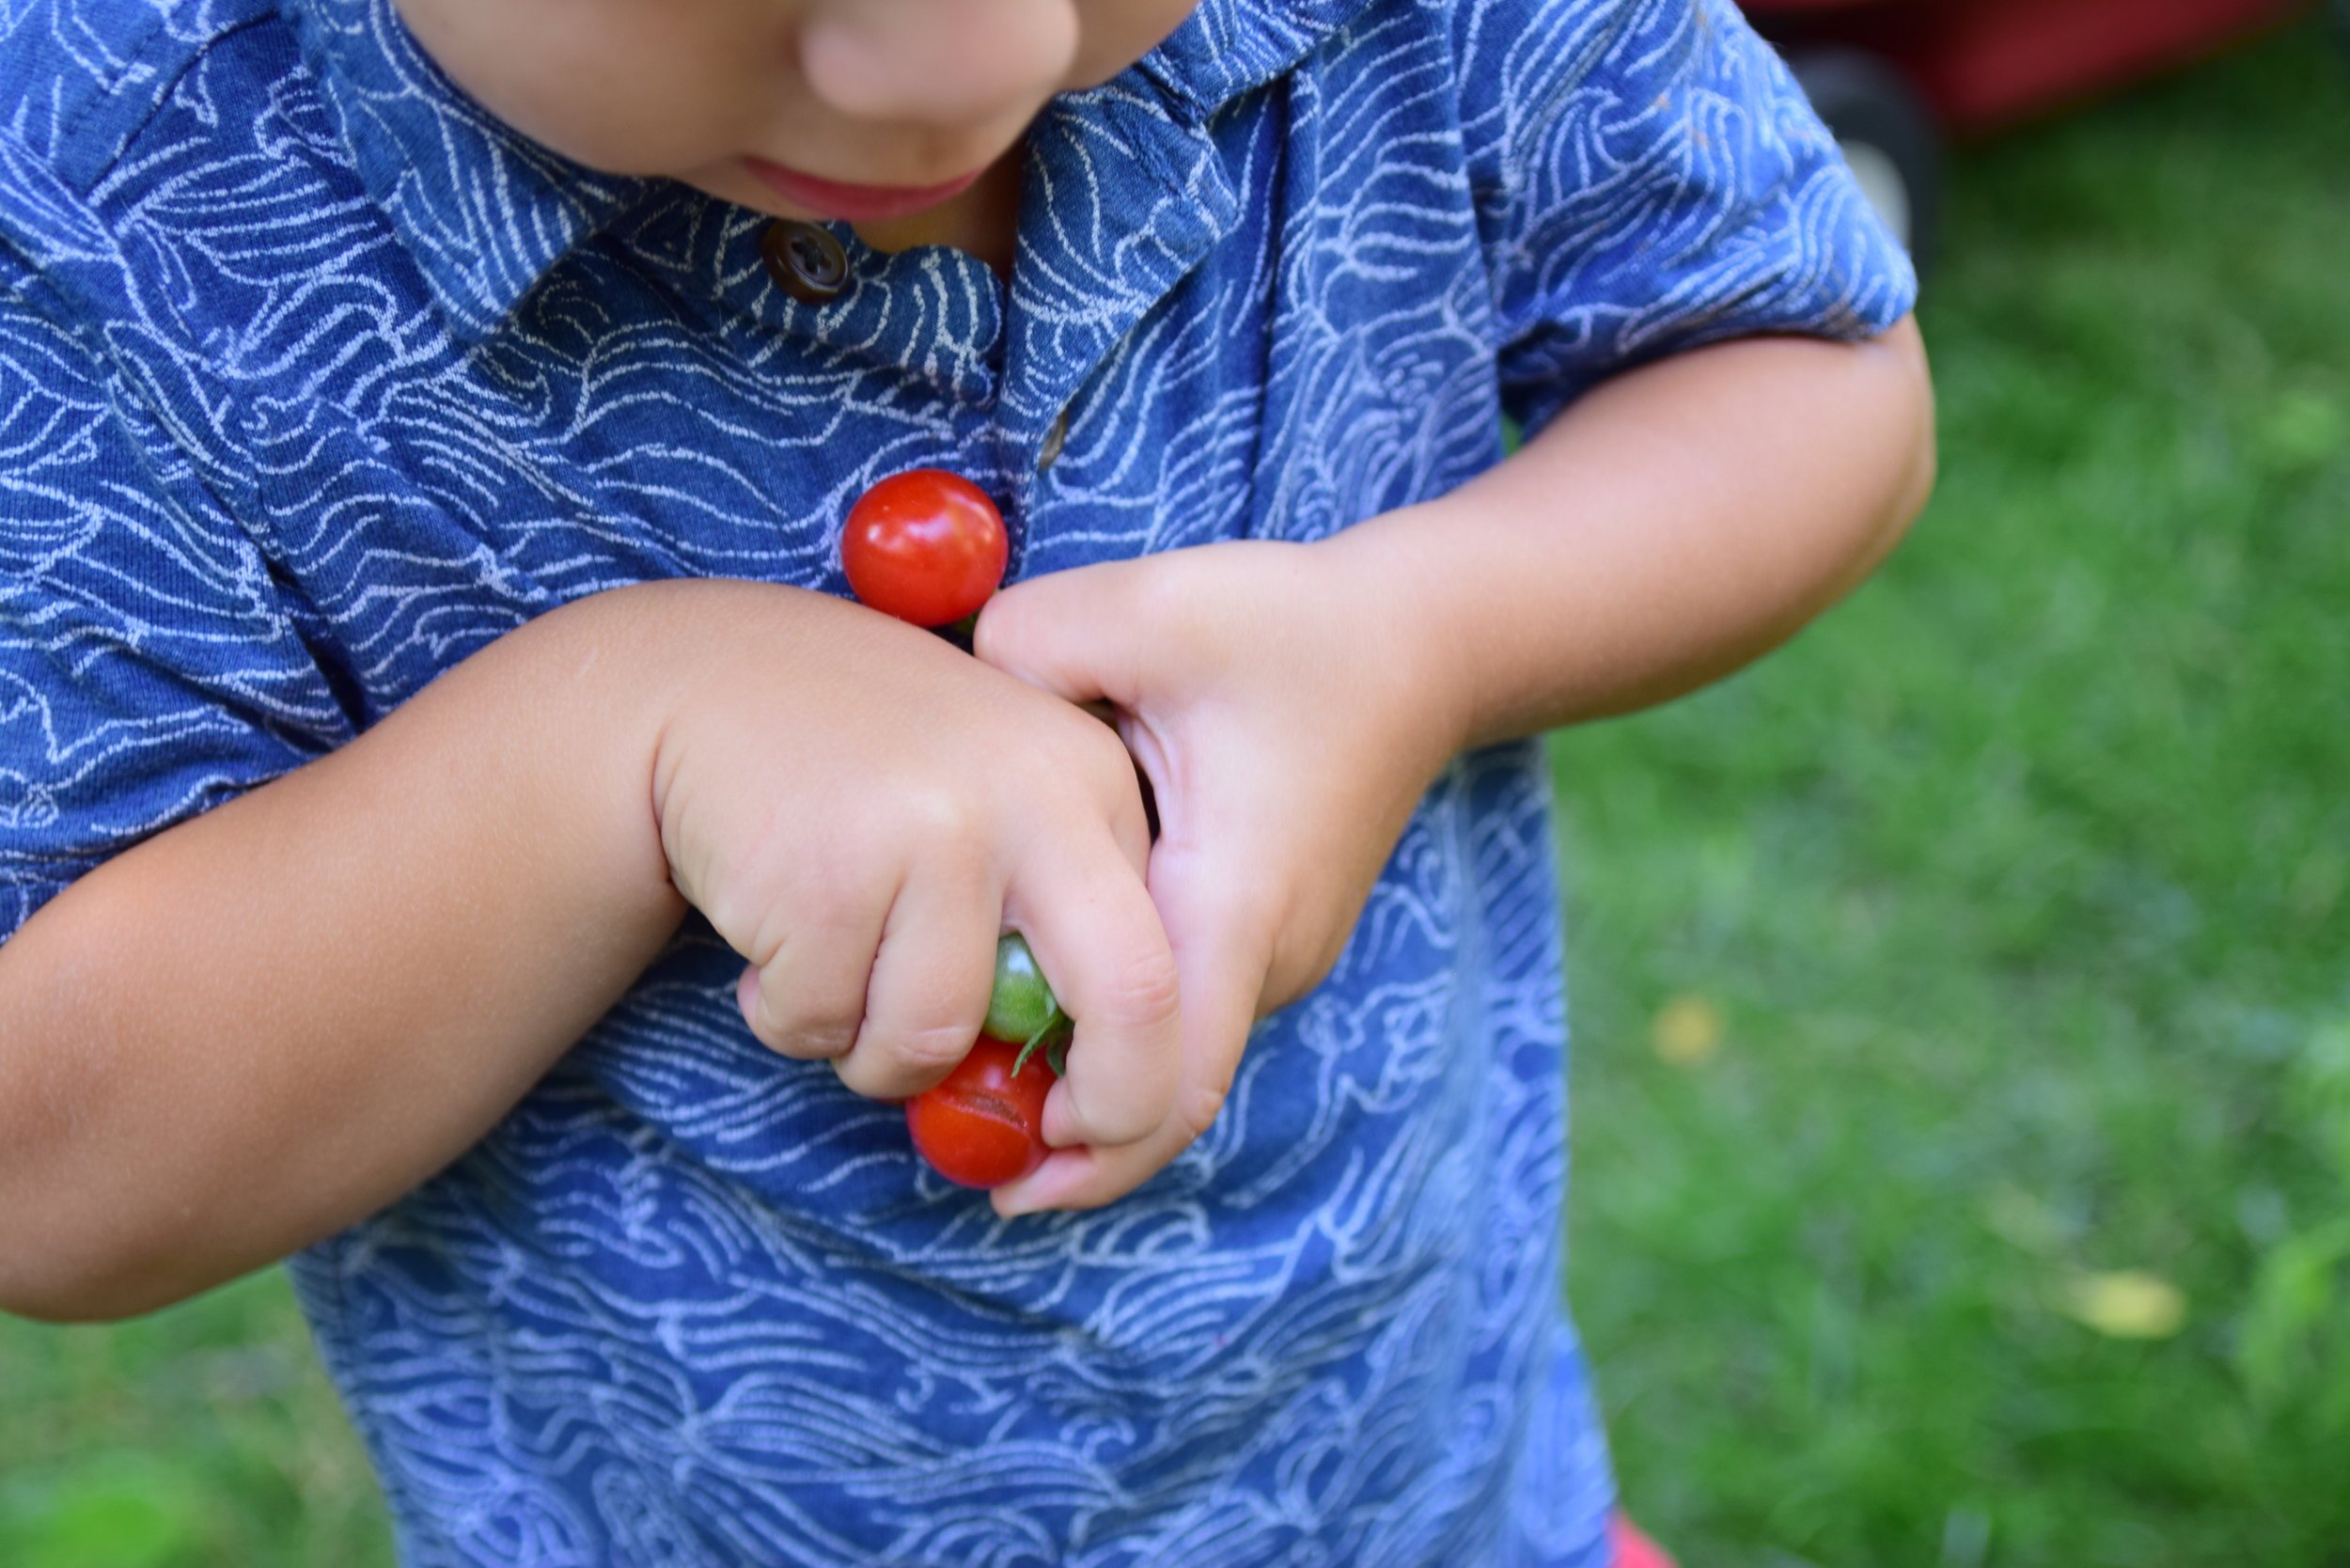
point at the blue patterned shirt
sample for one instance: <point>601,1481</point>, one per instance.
<point>315,380</point>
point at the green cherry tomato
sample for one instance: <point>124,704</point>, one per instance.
<point>1021,1009</point>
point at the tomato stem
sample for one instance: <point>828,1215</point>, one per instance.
<point>1056,1047</point>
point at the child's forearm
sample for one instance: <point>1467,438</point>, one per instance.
<point>1673,525</point>
<point>272,1019</point>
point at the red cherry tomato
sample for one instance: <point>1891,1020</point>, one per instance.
<point>926,546</point>
<point>981,1126</point>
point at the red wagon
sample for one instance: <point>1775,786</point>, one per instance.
<point>1894,78</point>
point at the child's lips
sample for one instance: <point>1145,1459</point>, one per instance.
<point>855,203</point>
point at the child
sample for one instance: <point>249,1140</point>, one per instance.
<point>438,771</point>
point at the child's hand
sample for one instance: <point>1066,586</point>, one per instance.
<point>860,809</point>
<point>1289,726</point>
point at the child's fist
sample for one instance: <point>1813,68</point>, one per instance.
<point>860,810</point>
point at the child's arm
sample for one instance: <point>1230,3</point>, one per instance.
<point>1673,525</point>
<point>274,1017</point>
<point>1292,703</point>
<point>264,1023</point>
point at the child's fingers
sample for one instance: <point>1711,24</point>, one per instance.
<point>1096,935</point>
<point>929,990</point>
<point>1080,1178</point>
<point>1067,632</point>
<point>809,996</point>
<point>1221,978</point>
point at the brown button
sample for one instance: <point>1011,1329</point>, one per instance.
<point>805,260</point>
<point>1054,439</point>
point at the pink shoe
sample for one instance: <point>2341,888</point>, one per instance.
<point>1633,1550</point>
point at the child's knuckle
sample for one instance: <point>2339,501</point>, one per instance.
<point>1143,990</point>
<point>1198,1103</point>
<point>1102,756</point>
<point>946,819</point>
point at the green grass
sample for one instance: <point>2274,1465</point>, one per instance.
<point>2021,886</point>
<point>205,1434</point>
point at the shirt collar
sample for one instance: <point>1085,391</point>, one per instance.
<point>1229,47</point>
<point>486,213</point>
<point>1127,191</point>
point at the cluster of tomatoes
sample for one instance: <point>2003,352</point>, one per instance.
<point>929,547</point>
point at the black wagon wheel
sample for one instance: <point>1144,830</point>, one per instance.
<point>1886,135</point>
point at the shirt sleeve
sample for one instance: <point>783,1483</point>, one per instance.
<point>1650,179</point>
<point>150,668</point>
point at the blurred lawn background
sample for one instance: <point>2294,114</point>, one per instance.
<point>1963,997</point>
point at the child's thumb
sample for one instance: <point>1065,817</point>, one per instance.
<point>1068,633</point>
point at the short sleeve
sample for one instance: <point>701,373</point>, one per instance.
<point>149,668</point>
<point>1650,178</point>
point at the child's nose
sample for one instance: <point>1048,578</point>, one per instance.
<point>952,65</point>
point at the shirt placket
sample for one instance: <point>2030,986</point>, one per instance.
<point>1123,197</point>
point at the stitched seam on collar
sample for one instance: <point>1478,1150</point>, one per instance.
<point>106,92</point>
